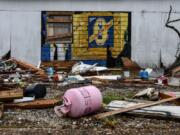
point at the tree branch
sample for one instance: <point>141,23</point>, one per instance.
<point>168,22</point>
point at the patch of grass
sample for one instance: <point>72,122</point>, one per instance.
<point>111,96</point>
<point>110,122</point>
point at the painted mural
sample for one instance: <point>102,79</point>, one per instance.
<point>100,31</point>
<point>94,31</point>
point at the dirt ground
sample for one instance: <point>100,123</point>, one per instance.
<point>46,122</point>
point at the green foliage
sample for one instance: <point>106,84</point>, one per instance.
<point>111,96</point>
<point>110,122</point>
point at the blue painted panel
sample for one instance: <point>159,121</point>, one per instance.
<point>100,31</point>
<point>45,53</point>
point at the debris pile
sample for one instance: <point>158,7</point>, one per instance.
<point>24,86</point>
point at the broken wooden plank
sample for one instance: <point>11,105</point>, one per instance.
<point>114,69</point>
<point>106,114</point>
<point>25,65</point>
<point>57,13</point>
<point>59,20</point>
<point>11,94</point>
<point>165,95</point>
<point>37,104</point>
<point>137,85</point>
<point>129,64</point>
<point>59,64</point>
<point>175,71</point>
<point>98,81</point>
<point>140,81</point>
<point>66,35</point>
<point>164,111</point>
<point>1,110</point>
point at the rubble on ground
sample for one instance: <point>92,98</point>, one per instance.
<point>29,94</point>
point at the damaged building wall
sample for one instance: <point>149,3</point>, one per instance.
<point>150,38</point>
<point>153,42</point>
<point>26,39</point>
<point>4,32</point>
<point>21,32</point>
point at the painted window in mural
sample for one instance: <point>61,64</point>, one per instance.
<point>56,36</point>
<point>100,31</point>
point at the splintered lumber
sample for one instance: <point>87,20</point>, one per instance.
<point>129,64</point>
<point>11,94</point>
<point>25,65</point>
<point>57,65</point>
<point>106,114</point>
<point>36,104</point>
<point>166,95</point>
<point>175,70</point>
<point>97,81</point>
<point>140,81</point>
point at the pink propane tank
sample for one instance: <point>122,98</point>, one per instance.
<point>81,101</point>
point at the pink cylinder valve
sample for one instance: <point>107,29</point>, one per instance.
<point>81,101</point>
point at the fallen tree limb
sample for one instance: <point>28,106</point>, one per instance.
<point>106,114</point>
<point>169,25</point>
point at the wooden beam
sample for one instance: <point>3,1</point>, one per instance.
<point>139,81</point>
<point>66,35</point>
<point>106,114</point>
<point>11,94</point>
<point>36,104</point>
<point>59,13</point>
<point>26,65</point>
<point>59,20</point>
<point>67,65</point>
<point>129,64</point>
<point>165,96</point>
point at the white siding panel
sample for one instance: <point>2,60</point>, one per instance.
<point>4,32</point>
<point>26,36</point>
<point>150,39</point>
<point>89,5</point>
